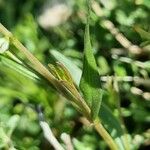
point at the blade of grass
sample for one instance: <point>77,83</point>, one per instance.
<point>90,80</point>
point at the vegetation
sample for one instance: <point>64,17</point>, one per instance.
<point>59,91</point>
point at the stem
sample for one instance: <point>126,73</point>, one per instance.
<point>105,135</point>
<point>40,68</point>
<point>48,134</point>
<point>67,141</point>
<point>134,49</point>
<point>97,124</point>
<point>36,64</point>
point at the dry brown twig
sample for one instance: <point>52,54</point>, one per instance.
<point>67,141</point>
<point>132,48</point>
<point>137,80</point>
<point>137,91</point>
<point>48,134</point>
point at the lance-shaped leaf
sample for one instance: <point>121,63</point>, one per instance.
<point>90,80</point>
<point>66,86</point>
<point>106,116</point>
<point>73,69</point>
<point>60,72</point>
<point>8,62</point>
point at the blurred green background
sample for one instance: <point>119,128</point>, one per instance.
<point>53,30</point>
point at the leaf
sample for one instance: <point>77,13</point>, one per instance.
<point>3,138</point>
<point>17,67</point>
<point>90,80</point>
<point>67,88</point>
<point>107,118</point>
<point>60,72</point>
<point>54,71</point>
<point>73,69</point>
<point>12,124</point>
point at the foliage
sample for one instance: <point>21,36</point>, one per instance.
<point>126,93</point>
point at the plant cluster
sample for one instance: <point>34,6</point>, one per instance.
<point>110,93</point>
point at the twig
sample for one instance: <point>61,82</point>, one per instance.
<point>50,136</point>
<point>85,122</point>
<point>105,135</point>
<point>140,64</point>
<point>137,91</point>
<point>137,80</point>
<point>118,51</point>
<point>134,49</point>
<point>67,141</point>
<point>121,38</point>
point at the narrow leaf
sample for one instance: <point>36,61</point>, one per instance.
<point>54,71</point>
<point>17,67</point>
<point>65,72</point>
<point>106,116</point>
<point>73,69</point>
<point>60,72</point>
<point>90,80</point>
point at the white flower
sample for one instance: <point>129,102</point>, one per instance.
<point>4,45</point>
<point>54,16</point>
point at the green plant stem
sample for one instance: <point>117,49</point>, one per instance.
<point>105,135</point>
<point>97,124</point>
<point>40,68</point>
<point>33,60</point>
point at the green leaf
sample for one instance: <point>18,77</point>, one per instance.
<point>12,124</point>
<point>73,69</point>
<point>90,80</point>
<point>60,72</point>
<point>106,116</point>
<point>17,67</point>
